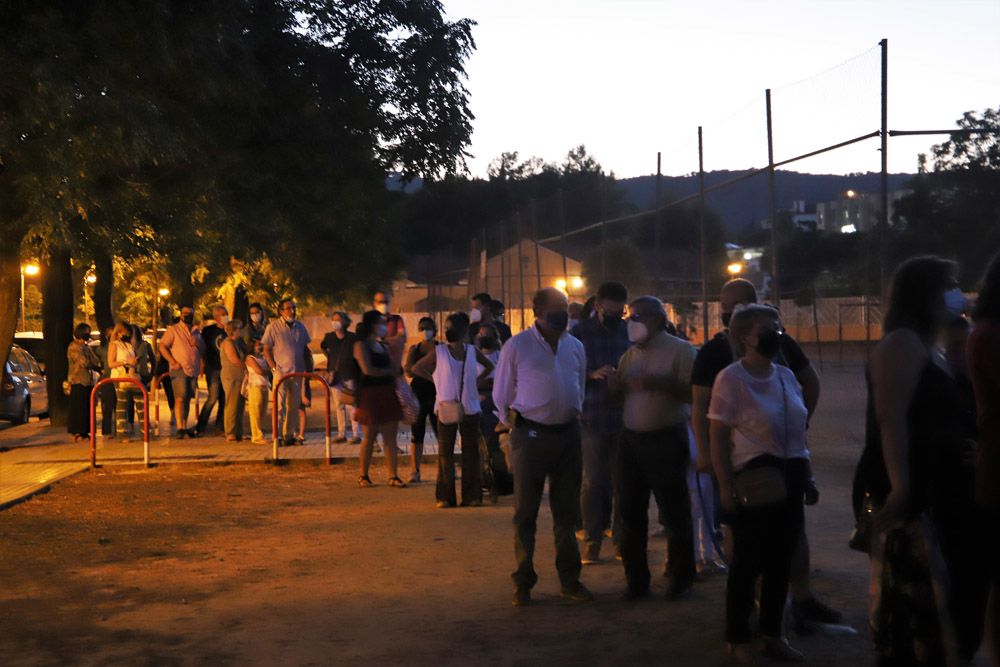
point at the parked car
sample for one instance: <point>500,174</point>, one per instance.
<point>32,342</point>
<point>22,388</point>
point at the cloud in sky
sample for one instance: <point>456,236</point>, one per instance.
<point>632,77</point>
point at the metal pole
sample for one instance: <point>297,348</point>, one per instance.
<point>701,238</point>
<point>520,262</point>
<point>534,236</point>
<point>775,283</point>
<point>562,238</point>
<point>503,270</point>
<point>604,230</point>
<point>656,226</point>
<point>24,327</point>
<point>883,228</point>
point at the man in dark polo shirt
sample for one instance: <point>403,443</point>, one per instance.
<point>715,355</point>
<point>213,335</point>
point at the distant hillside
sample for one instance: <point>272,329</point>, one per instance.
<point>745,203</point>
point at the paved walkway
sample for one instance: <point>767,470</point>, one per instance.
<point>35,455</point>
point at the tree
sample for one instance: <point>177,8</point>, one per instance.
<point>208,131</point>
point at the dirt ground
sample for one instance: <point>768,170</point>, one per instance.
<point>253,564</point>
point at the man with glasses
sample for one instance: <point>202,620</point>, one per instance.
<point>654,376</point>
<point>285,344</point>
<point>183,348</point>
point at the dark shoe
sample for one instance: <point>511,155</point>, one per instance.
<point>591,554</point>
<point>339,440</point>
<point>577,592</point>
<point>779,650</point>
<point>678,589</point>
<point>811,609</point>
<point>522,597</point>
<point>397,482</point>
<point>472,503</point>
<point>289,442</point>
<point>355,441</point>
<point>633,594</point>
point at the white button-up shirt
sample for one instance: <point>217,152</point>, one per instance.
<point>543,386</point>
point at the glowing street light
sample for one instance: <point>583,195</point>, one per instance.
<point>735,268</point>
<point>851,194</point>
<point>91,279</point>
<point>576,282</point>
<point>163,291</point>
<point>26,270</point>
<point>561,284</point>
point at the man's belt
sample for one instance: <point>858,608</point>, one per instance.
<point>522,422</point>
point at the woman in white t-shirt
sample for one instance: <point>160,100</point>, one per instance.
<point>453,369</point>
<point>122,361</point>
<point>758,422</point>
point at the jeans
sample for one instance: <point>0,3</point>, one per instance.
<point>472,488</point>
<point>257,398</point>
<point>600,502</point>
<point>232,387</point>
<point>764,541</point>
<point>289,401</point>
<point>537,453</point>
<point>213,380</point>
<point>343,413</point>
<point>657,462</point>
<point>125,393</point>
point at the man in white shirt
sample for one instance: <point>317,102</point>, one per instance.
<point>538,391</point>
<point>654,375</point>
<point>285,345</point>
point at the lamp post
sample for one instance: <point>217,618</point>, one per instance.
<point>30,270</point>
<point>161,292</point>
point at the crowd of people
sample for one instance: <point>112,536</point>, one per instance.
<point>609,406</point>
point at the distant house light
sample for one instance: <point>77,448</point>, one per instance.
<point>848,229</point>
<point>748,255</point>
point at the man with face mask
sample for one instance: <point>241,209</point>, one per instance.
<point>715,355</point>
<point>481,313</point>
<point>605,339</point>
<point>654,377</point>
<point>286,343</point>
<point>538,391</point>
<point>213,335</point>
<point>381,302</point>
<point>183,347</point>
<point>499,314</point>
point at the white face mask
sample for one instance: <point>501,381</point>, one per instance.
<point>338,326</point>
<point>428,334</point>
<point>256,318</point>
<point>637,331</point>
<point>954,301</point>
<point>382,308</point>
<point>475,315</point>
<point>381,330</point>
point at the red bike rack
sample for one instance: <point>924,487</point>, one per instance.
<point>93,418</point>
<point>274,411</point>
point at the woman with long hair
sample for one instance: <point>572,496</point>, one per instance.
<point>378,409</point>
<point>123,362</point>
<point>916,472</point>
<point>232,355</point>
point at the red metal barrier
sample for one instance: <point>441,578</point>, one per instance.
<point>157,381</point>
<point>274,411</point>
<point>93,418</point>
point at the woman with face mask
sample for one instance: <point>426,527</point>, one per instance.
<point>378,409</point>
<point>757,436</point>
<point>122,361</point>
<point>916,475</point>
<point>82,363</point>
<point>338,346</point>
<point>453,370</point>
<point>232,354</point>
<point>424,391</point>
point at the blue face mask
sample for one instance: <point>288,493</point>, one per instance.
<point>954,302</point>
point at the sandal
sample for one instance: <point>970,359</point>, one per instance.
<point>364,481</point>
<point>395,481</point>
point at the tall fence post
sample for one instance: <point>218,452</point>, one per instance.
<point>701,239</point>
<point>772,205</point>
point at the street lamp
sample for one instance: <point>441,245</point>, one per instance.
<point>26,270</point>
<point>161,292</point>
<point>735,268</point>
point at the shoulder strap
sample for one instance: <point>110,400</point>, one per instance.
<point>461,382</point>
<point>784,411</point>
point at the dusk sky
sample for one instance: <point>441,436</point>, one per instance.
<point>631,77</point>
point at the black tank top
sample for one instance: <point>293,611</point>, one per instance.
<point>939,480</point>
<point>379,359</point>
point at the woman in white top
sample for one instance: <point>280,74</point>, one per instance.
<point>258,389</point>
<point>453,369</point>
<point>122,361</point>
<point>757,432</point>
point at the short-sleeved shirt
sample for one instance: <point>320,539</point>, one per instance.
<point>767,415</point>
<point>287,341</point>
<point>604,346</point>
<point>716,354</point>
<point>648,410</point>
<point>340,356</point>
<point>185,346</point>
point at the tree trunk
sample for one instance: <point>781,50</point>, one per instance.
<point>57,326</point>
<point>10,287</point>
<point>105,274</point>
<point>241,305</point>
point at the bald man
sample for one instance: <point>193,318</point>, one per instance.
<point>538,391</point>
